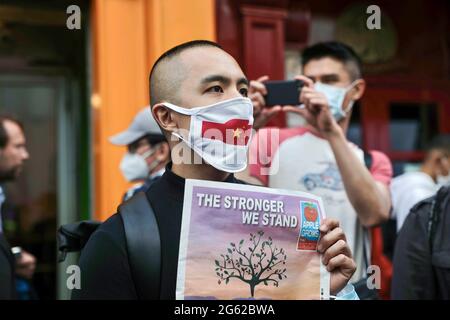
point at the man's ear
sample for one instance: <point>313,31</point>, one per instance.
<point>358,89</point>
<point>164,118</point>
<point>163,152</point>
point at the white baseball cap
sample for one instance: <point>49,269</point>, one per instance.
<point>143,124</point>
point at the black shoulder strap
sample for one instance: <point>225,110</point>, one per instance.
<point>143,245</point>
<point>368,164</point>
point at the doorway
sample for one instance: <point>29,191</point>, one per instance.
<point>44,84</point>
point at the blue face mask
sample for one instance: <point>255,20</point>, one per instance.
<point>335,96</point>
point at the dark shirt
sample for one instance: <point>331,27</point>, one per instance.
<point>422,268</point>
<point>105,271</point>
<point>7,286</point>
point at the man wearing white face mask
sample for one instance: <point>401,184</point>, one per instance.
<point>317,157</point>
<point>199,99</point>
<point>147,152</point>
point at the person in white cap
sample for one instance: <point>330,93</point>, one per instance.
<point>148,152</point>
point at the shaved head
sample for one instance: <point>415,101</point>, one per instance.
<point>168,73</point>
<point>193,74</point>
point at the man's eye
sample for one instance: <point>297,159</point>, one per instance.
<point>244,92</point>
<point>216,89</point>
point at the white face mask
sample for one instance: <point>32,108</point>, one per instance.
<point>443,180</point>
<point>220,133</point>
<point>134,166</point>
<point>335,96</point>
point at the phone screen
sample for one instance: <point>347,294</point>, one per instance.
<point>285,92</point>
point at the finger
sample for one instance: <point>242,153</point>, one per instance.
<point>328,224</point>
<point>257,86</point>
<point>308,93</point>
<point>292,109</point>
<point>272,111</point>
<point>315,95</point>
<point>264,116</point>
<point>318,102</point>
<point>295,109</point>
<point>340,247</point>
<point>308,97</point>
<point>330,238</point>
<point>269,113</point>
<point>308,82</point>
<point>263,78</point>
<point>308,90</point>
<point>257,100</point>
<point>303,94</point>
<point>301,111</point>
<point>341,262</point>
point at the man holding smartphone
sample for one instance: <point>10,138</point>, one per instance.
<point>317,158</point>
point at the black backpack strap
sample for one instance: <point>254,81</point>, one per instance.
<point>368,164</point>
<point>143,245</point>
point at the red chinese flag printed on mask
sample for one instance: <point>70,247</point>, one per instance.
<point>235,131</point>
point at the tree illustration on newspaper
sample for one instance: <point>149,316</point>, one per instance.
<point>261,262</point>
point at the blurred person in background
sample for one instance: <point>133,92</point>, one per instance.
<point>21,264</point>
<point>147,152</point>
<point>412,187</point>
<point>421,255</point>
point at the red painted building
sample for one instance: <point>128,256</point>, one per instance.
<point>406,63</point>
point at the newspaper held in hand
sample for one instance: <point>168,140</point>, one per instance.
<point>246,242</point>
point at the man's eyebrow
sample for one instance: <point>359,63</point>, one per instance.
<point>330,77</point>
<point>326,77</point>
<point>223,79</point>
<point>216,78</point>
<point>243,81</point>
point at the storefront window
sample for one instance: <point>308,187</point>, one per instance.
<point>412,125</point>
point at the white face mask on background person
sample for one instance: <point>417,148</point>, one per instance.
<point>220,133</point>
<point>443,180</point>
<point>134,166</point>
<point>335,96</point>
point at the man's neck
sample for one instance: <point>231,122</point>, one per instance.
<point>199,171</point>
<point>158,168</point>
<point>426,168</point>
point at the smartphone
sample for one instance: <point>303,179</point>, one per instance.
<point>283,92</point>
